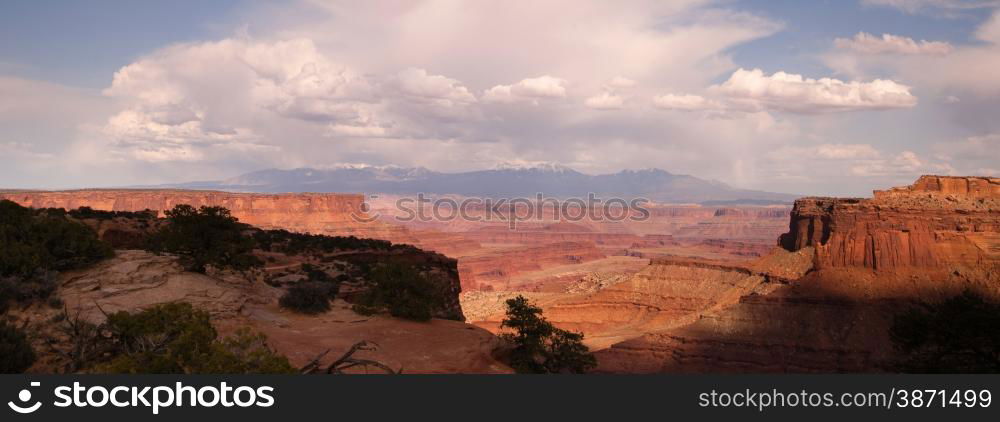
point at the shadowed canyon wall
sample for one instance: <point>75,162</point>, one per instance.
<point>872,258</point>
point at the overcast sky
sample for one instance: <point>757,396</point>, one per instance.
<point>811,97</point>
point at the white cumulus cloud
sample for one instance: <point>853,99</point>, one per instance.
<point>866,43</point>
<point>798,94</point>
<point>930,6</point>
<point>621,82</point>
<point>527,89</point>
<point>605,101</point>
<point>446,91</point>
<point>685,102</point>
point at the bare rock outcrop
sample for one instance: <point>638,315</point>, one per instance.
<point>938,221</point>
<point>135,280</point>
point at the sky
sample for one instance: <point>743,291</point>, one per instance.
<point>806,97</point>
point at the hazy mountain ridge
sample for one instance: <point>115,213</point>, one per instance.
<point>503,181</point>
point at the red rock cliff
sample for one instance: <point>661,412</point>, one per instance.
<point>334,214</point>
<point>320,213</point>
<point>939,221</point>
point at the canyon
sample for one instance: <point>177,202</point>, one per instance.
<point>811,288</point>
<point>489,253</point>
<point>871,259</point>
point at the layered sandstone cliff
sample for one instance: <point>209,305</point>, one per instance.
<point>497,268</point>
<point>874,258</point>
<point>938,222</point>
<point>319,213</point>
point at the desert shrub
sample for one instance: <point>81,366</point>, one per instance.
<point>246,352</point>
<point>315,274</point>
<point>206,236</point>
<point>402,290</point>
<point>31,240</point>
<point>958,335</point>
<point>539,347</point>
<point>90,213</point>
<point>364,309</point>
<point>175,338</point>
<point>312,244</point>
<point>309,297</point>
<point>25,289</point>
<point>16,354</point>
<point>34,244</point>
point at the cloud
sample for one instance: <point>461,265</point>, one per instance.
<point>439,89</point>
<point>181,101</point>
<point>989,31</point>
<point>421,85</point>
<point>752,90</point>
<point>848,164</point>
<point>846,151</point>
<point>866,43</point>
<point>798,94</point>
<point>418,83</point>
<point>527,89</point>
<point>605,101</point>
<point>930,6</point>
<point>621,82</point>
<point>975,155</point>
<point>139,126</point>
<point>967,72</point>
<point>685,102</point>
<point>905,165</point>
<point>825,152</point>
<point>22,151</point>
<point>358,131</point>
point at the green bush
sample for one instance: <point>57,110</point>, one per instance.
<point>403,290</point>
<point>316,274</point>
<point>309,297</point>
<point>90,213</point>
<point>175,338</point>
<point>34,244</point>
<point>30,240</point>
<point>958,335</point>
<point>18,289</point>
<point>206,236</point>
<point>16,354</point>
<point>538,346</point>
<point>302,243</point>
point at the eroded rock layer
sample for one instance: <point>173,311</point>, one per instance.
<point>497,268</point>
<point>873,259</point>
<point>319,213</point>
<point>135,280</point>
<point>936,222</point>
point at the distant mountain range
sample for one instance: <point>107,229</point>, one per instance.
<point>502,182</point>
